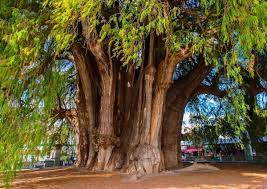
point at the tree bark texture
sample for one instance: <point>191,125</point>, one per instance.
<point>177,98</point>
<point>120,110</point>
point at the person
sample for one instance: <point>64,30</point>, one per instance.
<point>72,159</point>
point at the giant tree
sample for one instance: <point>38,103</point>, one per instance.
<point>106,67</point>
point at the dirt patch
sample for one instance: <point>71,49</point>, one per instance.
<point>200,167</point>
<point>228,177</point>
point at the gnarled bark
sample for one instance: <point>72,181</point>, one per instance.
<point>113,132</point>
<point>162,84</point>
<point>84,69</point>
<point>178,96</point>
<point>171,133</point>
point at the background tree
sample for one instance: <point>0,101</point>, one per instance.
<point>220,117</point>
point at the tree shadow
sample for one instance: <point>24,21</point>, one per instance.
<point>229,176</point>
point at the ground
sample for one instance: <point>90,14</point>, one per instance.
<point>235,176</point>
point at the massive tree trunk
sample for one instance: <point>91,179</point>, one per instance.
<point>177,98</point>
<point>85,102</point>
<point>171,133</point>
<point>104,136</point>
<point>145,150</point>
<point>119,111</point>
<point>106,130</point>
<point>129,118</point>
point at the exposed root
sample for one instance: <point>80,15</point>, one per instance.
<point>144,160</point>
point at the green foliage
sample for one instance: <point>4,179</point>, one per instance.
<point>258,127</point>
<point>29,82</point>
<point>126,24</point>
